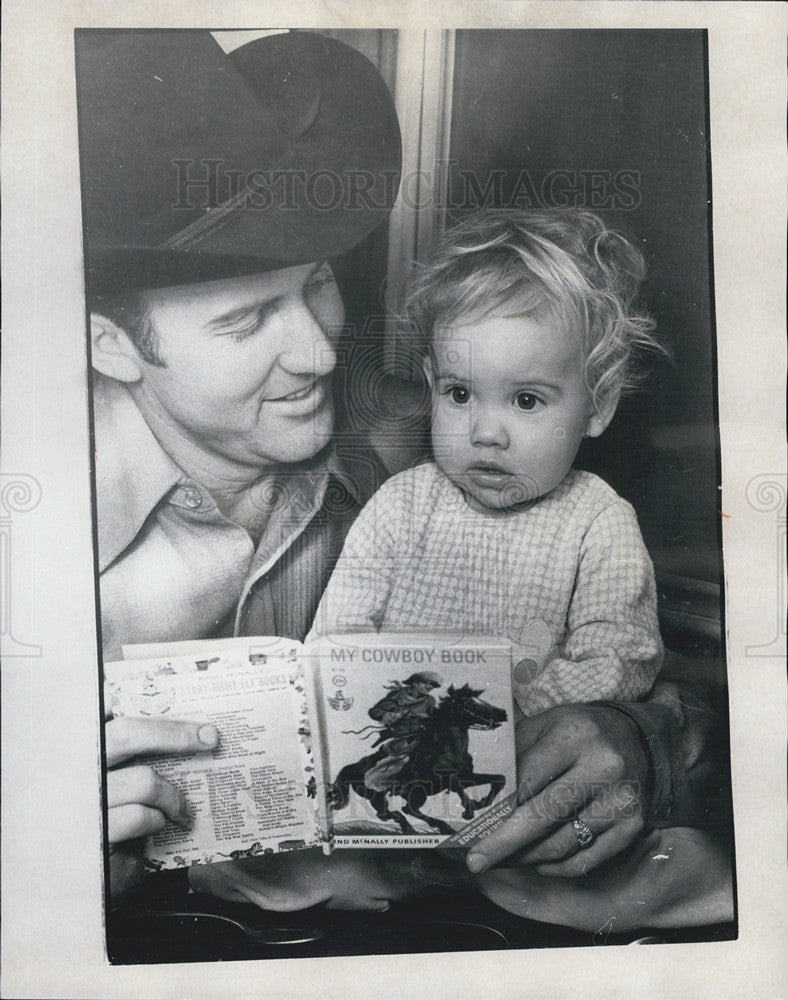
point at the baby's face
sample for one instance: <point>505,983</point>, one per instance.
<point>509,406</point>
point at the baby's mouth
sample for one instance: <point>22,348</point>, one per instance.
<point>489,474</point>
<point>488,469</point>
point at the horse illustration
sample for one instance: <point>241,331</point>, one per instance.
<point>438,762</point>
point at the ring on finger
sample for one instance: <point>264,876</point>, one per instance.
<point>583,833</point>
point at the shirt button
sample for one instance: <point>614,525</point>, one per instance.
<point>192,498</point>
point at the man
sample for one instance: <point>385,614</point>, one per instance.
<point>213,323</point>
<point>217,182</point>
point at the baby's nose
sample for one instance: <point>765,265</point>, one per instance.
<point>487,431</point>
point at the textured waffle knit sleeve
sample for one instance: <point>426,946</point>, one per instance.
<point>357,593</point>
<point>611,648</point>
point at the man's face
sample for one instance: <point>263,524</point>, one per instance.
<point>247,364</point>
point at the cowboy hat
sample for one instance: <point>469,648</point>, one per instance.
<point>199,164</point>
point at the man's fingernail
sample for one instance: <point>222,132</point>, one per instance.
<point>209,735</point>
<point>477,863</point>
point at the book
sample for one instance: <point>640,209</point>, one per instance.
<point>362,740</point>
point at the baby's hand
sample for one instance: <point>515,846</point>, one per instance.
<point>582,773</point>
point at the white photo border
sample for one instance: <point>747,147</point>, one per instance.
<point>53,935</point>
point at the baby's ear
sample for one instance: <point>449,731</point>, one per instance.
<point>602,415</point>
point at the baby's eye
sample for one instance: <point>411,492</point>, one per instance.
<point>459,394</point>
<point>525,400</point>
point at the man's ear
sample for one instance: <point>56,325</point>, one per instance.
<point>602,415</point>
<point>112,352</point>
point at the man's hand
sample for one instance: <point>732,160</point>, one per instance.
<point>574,761</point>
<point>139,801</point>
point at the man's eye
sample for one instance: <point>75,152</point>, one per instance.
<point>459,394</point>
<point>525,401</point>
<point>260,318</point>
<point>247,331</point>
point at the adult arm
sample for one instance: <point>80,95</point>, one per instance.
<point>346,880</point>
<point>638,888</point>
<point>688,753</point>
<point>622,767</point>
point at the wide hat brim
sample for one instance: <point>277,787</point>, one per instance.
<point>199,164</point>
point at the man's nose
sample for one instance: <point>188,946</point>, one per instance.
<point>488,430</point>
<point>308,347</point>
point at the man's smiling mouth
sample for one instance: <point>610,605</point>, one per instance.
<point>295,395</point>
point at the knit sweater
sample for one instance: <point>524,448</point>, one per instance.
<point>569,572</point>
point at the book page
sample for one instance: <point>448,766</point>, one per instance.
<point>255,793</point>
<point>419,738</point>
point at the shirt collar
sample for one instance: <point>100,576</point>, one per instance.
<point>133,472</point>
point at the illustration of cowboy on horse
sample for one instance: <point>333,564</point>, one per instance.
<point>402,712</point>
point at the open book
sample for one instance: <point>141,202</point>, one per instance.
<point>373,740</point>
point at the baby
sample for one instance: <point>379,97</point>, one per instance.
<point>528,334</point>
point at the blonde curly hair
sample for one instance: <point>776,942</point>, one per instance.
<point>565,261</point>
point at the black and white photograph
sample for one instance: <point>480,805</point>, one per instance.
<point>398,354</point>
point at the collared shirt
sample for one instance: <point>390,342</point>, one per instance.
<point>173,567</point>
